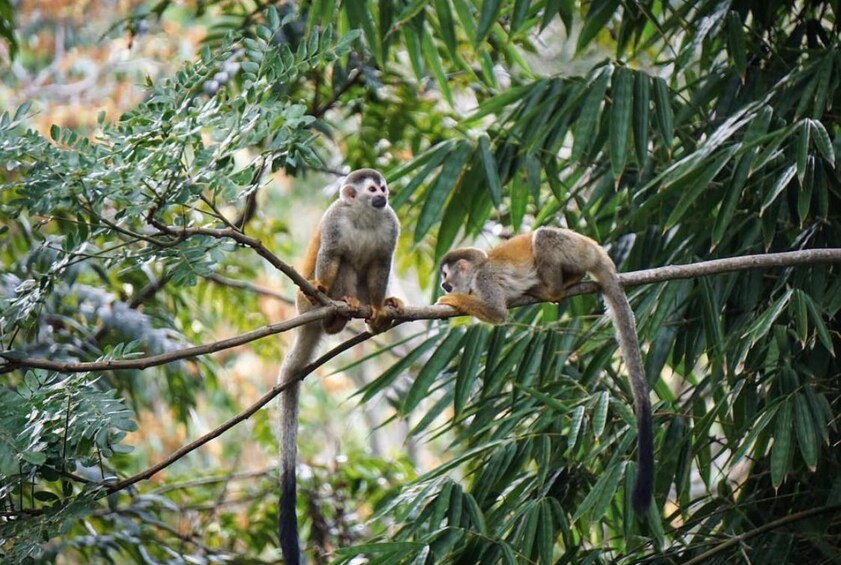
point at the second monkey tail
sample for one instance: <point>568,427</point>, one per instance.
<point>622,317</point>
<point>298,356</point>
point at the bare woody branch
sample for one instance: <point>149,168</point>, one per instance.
<point>242,239</point>
<point>141,363</point>
<point>432,312</point>
<point>242,416</point>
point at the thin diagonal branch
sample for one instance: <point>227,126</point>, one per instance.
<point>164,358</point>
<point>242,416</point>
<point>242,239</point>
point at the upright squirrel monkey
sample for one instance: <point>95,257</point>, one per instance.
<point>350,257</point>
<point>542,264</point>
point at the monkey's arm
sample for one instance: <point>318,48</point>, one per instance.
<point>492,312</point>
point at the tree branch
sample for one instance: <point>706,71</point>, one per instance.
<point>797,516</point>
<point>242,416</point>
<point>141,363</point>
<point>242,239</point>
<point>262,290</point>
<point>433,312</point>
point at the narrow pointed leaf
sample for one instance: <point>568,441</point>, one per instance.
<point>575,426</point>
<point>491,173</point>
<point>804,425</point>
<point>600,414</point>
<point>622,98</point>
<point>448,29</point>
<point>468,369</point>
<point>802,150</point>
<point>782,445</point>
<point>642,95</point>
<point>587,119</point>
<point>663,110</point>
<point>822,141</point>
<point>779,185</point>
<point>598,499</point>
<point>487,17</point>
<point>433,368</point>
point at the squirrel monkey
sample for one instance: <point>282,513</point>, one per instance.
<point>542,264</point>
<point>349,257</point>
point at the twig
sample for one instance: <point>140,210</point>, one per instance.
<point>797,516</point>
<point>242,416</point>
<point>164,358</point>
<point>241,238</point>
<point>265,291</point>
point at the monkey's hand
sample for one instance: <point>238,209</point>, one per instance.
<point>378,322</point>
<point>471,305</point>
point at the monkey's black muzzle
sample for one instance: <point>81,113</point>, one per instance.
<point>379,201</point>
<point>447,287</point>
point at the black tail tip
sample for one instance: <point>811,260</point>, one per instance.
<point>287,527</point>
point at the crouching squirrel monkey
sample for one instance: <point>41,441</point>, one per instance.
<point>349,257</point>
<point>542,264</point>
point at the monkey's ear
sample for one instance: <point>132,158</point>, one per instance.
<point>348,193</point>
<point>463,265</point>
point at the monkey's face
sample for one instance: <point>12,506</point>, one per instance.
<point>456,276</point>
<point>366,187</point>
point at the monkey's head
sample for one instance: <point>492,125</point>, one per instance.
<point>366,187</point>
<point>458,268</point>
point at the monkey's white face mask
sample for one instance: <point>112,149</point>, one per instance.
<point>369,191</point>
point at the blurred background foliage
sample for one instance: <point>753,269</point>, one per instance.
<point>672,132</point>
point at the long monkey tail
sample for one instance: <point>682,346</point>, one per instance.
<point>298,356</point>
<point>622,317</point>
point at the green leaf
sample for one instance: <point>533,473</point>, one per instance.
<point>518,15</point>
<point>736,42</point>
<point>600,414</point>
<point>820,326</point>
<point>696,185</point>
<point>598,14</point>
<point>491,172</point>
<point>642,103</point>
<point>804,425</point>
<point>575,426</point>
<point>448,29</point>
<point>396,370</point>
<point>762,325</point>
<point>779,185</point>
<point>780,452</point>
<point>802,150</point>
<point>468,369</point>
<point>432,369</point>
<point>444,184</point>
<point>822,141</point>
<point>360,17</point>
<point>622,99</point>
<point>663,107</point>
<point>55,132</point>
<point>587,119</point>
<point>433,60</point>
<point>598,499</point>
<point>545,533</point>
<point>487,17</point>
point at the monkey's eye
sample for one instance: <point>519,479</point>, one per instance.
<point>372,189</point>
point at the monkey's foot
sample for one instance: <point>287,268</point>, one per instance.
<point>379,322</point>
<point>319,287</point>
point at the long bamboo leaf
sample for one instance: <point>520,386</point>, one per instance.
<point>804,425</point>
<point>622,100</point>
